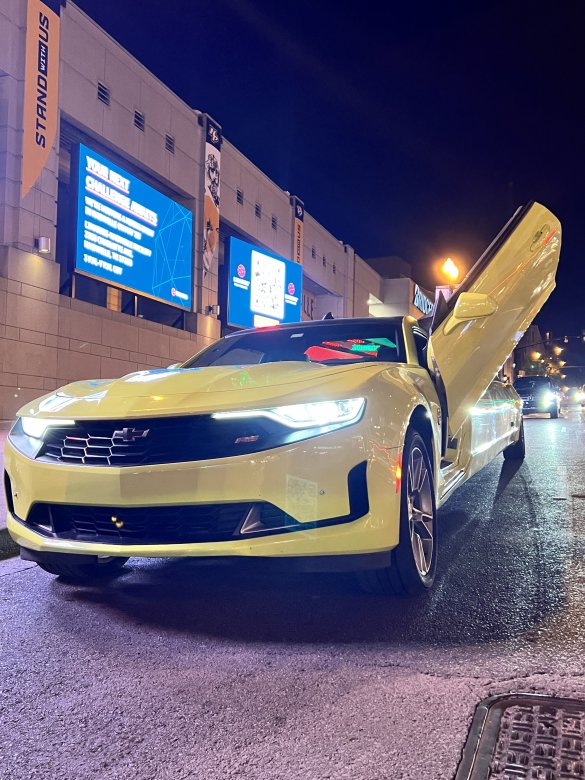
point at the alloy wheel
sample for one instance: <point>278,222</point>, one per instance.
<point>421,521</point>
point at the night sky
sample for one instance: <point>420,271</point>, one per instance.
<point>414,130</point>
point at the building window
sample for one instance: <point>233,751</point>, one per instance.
<point>313,252</point>
<point>139,120</point>
<point>114,298</point>
<point>169,143</point>
<point>274,222</point>
<point>240,197</point>
<point>258,210</point>
<point>324,261</point>
<point>103,93</point>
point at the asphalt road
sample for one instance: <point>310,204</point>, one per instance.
<point>190,670</point>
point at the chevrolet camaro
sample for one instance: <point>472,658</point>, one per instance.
<point>330,444</point>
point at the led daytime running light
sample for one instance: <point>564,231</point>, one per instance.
<point>312,415</point>
<point>36,427</point>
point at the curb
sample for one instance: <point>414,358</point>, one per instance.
<point>8,548</point>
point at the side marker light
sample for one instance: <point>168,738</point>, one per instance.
<point>399,472</point>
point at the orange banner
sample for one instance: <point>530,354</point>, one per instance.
<point>41,83</point>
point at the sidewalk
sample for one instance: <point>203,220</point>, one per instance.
<point>7,547</point>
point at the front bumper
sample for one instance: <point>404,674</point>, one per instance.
<point>308,481</point>
<point>538,407</point>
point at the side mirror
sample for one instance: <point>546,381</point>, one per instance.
<point>470,306</point>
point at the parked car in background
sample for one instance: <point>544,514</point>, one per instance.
<point>539,395</point>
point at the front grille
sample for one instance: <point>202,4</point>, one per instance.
<point>152,441</point>
<point>180,524</point>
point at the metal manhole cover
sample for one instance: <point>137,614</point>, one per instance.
<point>525,737</point>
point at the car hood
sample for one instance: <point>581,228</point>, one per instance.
<point>163,392</point>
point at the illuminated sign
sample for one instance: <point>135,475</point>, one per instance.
<point>421,301</point>
<point>131,235</point>
<point>263,289</point>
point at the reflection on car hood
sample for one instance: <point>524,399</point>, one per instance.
<point>176,391</point>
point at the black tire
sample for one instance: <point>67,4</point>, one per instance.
<point>516,451</point>
<point>554,414</point>
<point>81,572</point>
<point>405,576</point>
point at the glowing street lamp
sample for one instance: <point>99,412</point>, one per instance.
<point>450,270</point>
<point>536,355</point>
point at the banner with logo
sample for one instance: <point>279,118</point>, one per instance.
<point>298,231</point>
<point>212,165</point>
<point>41,83</point>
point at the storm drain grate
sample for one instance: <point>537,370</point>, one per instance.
<point>525,737</point>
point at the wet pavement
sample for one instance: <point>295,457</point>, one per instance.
<point>189,669</point>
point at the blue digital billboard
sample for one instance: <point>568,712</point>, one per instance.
<point>130,234</point>
<point>263,288</point>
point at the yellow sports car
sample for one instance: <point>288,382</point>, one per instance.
<point>331,443</point>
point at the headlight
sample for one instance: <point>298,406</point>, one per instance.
<point>322,414</point>
<point>548,397</point>
<point>36,427</point>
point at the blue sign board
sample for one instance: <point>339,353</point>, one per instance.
<point>263,289</point>
<point>131,235</point>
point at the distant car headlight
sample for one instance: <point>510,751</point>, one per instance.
<point>36,427</point>
<point>321,414</point>
<point>580,395</point>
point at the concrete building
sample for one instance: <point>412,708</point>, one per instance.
<point>67,88</point>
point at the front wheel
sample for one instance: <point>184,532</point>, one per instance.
<point>70,568</point>
<point>555,413</point>
<point>414,561</point>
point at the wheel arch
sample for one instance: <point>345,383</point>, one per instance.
<point>420,421</point>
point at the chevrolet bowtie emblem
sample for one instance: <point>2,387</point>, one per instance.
<point>116,522</point>
<point>131,434</point>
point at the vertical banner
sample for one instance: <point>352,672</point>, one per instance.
<point>211,197</point>
<point>298,231</point>
<point>41,83</point>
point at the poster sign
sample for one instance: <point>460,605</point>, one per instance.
<point>298,232</point>
<point>131,235</point>
<point>211,198</point>
<point>263,289</point>
<point>41,82</point>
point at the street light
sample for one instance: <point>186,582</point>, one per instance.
<point>536,355</point>
<point>450,270</point>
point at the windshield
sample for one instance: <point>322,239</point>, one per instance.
<point>329,344</point>
<point>530,382</point>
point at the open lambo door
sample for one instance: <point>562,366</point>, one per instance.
<point>479,326</point>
